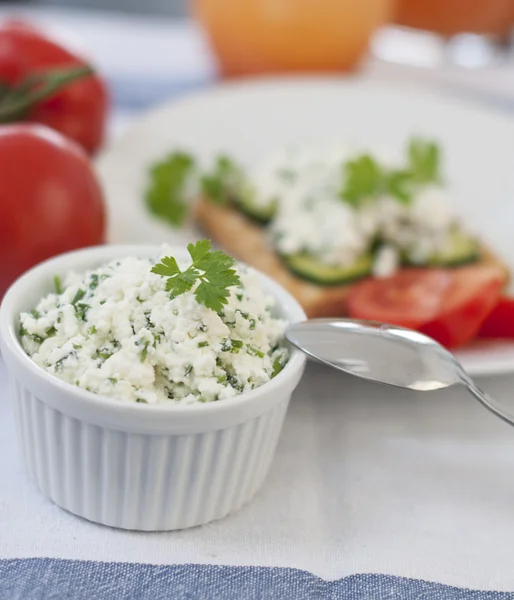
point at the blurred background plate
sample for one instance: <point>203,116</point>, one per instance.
<point>252,118</point>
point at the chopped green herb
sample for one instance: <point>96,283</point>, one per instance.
<point>255,352</point>
<point>141,400</point>
<point>59,364</point>
<point>51,331</point>
<point>144,352</point>
<point>212,269</point>
<point>221,378</point>
<point>23,331</point>
<point>235,383</point>
<point>94,282</point>
<point>203,344</point>
<point>92,330</point>
<point>253,323</point>
<point>37,338</point>
<point>78,296</point>
<point>113,380</point>
<point>188,370</point>
<point>35,314</point>
<point>77,346</point>
<point>239,297</point>
<point>81,311</point>
<point>236,346</point>
<point>58,285</point>
<point>103,354</point>
<point>278,365</point>
<point>169,180</point>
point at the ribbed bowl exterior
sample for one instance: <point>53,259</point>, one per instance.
<point>127,465</point>
<point>143,481</point>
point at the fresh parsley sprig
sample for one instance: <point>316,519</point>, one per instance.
<point>212,268</point>
<point>169,182</point>
<point>225,179</point>
<point>364,177</point>
<point>173,180</point>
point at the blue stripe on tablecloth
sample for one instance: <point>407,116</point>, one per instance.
<point>57,579</point>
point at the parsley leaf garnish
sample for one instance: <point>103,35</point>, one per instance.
<point>424,161</point>
<point>78,296</point>
<point>399,185</point>
<point>212,269</point>
<point>363,178</point>
<point>166,195</point>
<point>225,180</point>
<point>58,285</point>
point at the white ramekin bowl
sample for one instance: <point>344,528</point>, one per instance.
<point>134,466</point>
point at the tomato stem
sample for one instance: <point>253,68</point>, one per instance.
<point>18,101</point>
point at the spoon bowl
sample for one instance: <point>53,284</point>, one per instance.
<point>386,354</point>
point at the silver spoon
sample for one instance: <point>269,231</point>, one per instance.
<point>386,354</point>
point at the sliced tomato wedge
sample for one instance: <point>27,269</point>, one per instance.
<point>449,306</point>
<point>499,323</point>
<point>410,298</point>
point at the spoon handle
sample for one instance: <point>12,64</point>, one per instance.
<point>486,400</point>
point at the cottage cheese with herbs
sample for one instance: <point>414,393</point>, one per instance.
<point>312,217</point>
<point>115,331</point>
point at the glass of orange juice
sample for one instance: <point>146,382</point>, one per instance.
<point>270,36</point>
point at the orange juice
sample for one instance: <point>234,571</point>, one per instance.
<point>262,36</point>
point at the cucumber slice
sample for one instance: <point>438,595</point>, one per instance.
<point>463,249</point>
<point>260,213</point>
<point>311,269</point>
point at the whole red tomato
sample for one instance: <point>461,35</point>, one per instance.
<point>76,102</point>
<point>50,200</point>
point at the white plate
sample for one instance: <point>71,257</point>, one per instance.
<point>250,119</point>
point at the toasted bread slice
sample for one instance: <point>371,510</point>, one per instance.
<point>248,242</point>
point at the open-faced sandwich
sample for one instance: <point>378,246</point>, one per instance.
<point>349,233</point>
